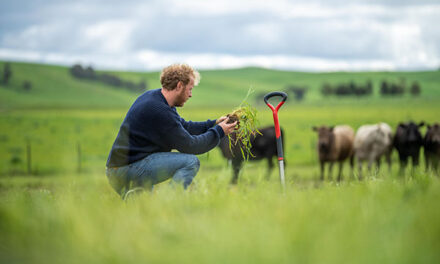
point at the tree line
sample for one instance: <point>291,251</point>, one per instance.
<point>89,73</point>
<point>387,88</point>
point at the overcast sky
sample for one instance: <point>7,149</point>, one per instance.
<point>308,35</point>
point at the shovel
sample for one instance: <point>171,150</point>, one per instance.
<point>278,131</point>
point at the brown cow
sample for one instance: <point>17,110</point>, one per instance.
<point>432,147</point>
<point>335,145</point>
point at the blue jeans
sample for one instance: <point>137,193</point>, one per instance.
<point>155,168</point>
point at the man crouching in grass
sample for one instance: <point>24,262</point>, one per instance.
<point>141,154</point>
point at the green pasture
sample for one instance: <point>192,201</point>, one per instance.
<point>54,87</point>
<point>79,140</point>
<point>57,207</point>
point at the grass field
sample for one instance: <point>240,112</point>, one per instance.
<point>65,211</point>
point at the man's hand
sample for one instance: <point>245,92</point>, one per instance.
<point>221,119</point>
<point>227,128</point>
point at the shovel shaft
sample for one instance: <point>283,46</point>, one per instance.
<point>282,180</point>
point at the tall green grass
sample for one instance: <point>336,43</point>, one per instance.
<point>382,220</point>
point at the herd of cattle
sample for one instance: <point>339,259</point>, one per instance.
<point>340,143</point>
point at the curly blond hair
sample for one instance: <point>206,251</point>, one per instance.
<point>175,73</point>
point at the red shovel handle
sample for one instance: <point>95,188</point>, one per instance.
<point>275,119</point>
<point>275,109</point>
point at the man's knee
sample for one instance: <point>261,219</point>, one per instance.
<point>194,162</point>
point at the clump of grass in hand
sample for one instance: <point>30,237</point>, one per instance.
<point>246,117</point>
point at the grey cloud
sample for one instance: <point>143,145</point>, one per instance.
<point>60,26</point>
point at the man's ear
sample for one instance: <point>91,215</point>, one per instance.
<point>179,85</point>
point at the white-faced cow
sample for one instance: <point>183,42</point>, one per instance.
<point>371,143</point>
<point>335,144</point>
<point>264,146</point>
<point>432,147</point>
<point>408,142</point>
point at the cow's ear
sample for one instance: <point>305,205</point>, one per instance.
<point>421,123</point>
<point>314,128</point>
<point>402,125</point>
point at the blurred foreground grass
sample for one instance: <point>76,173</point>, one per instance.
<point>74,219</point>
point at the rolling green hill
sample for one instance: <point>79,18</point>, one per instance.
<point>55,87</point>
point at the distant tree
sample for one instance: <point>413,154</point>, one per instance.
<point>369,87</point>
<point>111,80</point>
<point>326,89</point>
<point>415,89</point>
<point>397,89</point>
<point>27,86</point>
<point>384,88</point>
<point>300,94</point>
<point>89,73</point>
<point>143,85</point>
<point>7,73</point>
<point>129,85</point>
<point>77,71</point>
<point>297,91</point>
<point>343,89</point>
<point>352,88</point>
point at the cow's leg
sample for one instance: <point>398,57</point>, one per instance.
<point>359,163</point>
<point>352,166</point>
<point>322,170</point>
<point>427,161</point>
<point>434,164</point>
<point>371,160</point>
<point>236,166</point>
<point>378,163</point>
<point>415,159</point>
<point>340,170</point>
<point>403,163</point>
<point>330,170</point>
<point>269,167</point>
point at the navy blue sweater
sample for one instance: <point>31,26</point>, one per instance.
<point>151,125</point>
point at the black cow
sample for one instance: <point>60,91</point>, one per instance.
<point>408,142</point>
<point>432,147</point>
<point>264,146</point>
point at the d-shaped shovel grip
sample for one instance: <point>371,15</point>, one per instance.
<point>272,94</point>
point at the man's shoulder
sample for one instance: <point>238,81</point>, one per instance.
<point>152,104</point>
<point>150,95</point>
<point>150,99</point>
